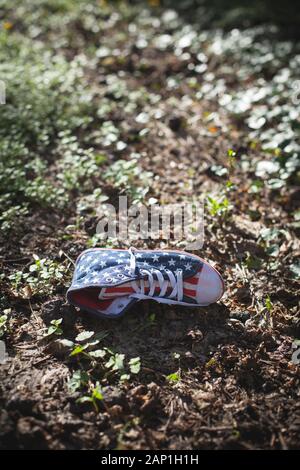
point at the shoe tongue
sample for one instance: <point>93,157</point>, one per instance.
<point>188,269</point>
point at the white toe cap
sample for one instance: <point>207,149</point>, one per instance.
<point>210,286</point>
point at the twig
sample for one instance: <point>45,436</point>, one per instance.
<point>68,257</point>
<point>14,260</point>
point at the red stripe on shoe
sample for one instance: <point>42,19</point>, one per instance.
<point>127,289</point>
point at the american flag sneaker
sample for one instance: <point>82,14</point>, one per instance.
<point>107,282</point>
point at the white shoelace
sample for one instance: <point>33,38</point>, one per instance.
<point>176,282</point>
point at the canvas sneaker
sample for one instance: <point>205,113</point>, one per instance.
<point>107,282</point>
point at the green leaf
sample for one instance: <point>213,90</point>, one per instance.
<point>124,377</point>
<point>273,250</point>
<point>116,362</point>
<point>54,328</point>
<point>84,336</point>
<point>231,153</point>
<point>84,399</point>
<point>268,303</point>
<point>78,379</point>
<point>98,353</point>
<point>119,362</point>
<point>135,365</point>
<point>91,344</point>
<point>152,318</point>
<point>97,393</point>
<point>65,342</point>
<point>295,270</point>
<point>77,350</point>
<point>174,377</point>
<point>110,362</point>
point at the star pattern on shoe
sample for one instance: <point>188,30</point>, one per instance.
<point>163,272</point>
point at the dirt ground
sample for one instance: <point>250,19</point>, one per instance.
<point>235,384</point>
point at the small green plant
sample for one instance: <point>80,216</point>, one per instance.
<point>46,97</point>
<point>41,277</point>
<point>218,207</point>
<point>109,133</point>
<point>80,349</point>
<point>266,313</point>
<point>253,262</point>
<point>111,363</point>
<point>87,345</point>
<point>173,378</point>
<point>129,177</point>
<point>115,362</point>
<point>135,365</point>
<point>54,328</point>
<point>77,165</point>
<point>219,170</point>
<point>9,216</point>
<point>295,270</point>
<point>97,240</point>
<point>84,336</point>
<point>268,304</point>
<point>151,318</point>
<point>211,363</point>
<point>90,203</point>
<point>231,157</point>
<point>94,397</point>
<point>271,239</point>
<point>44,193</point>
<point>79,379</point>
<point>256,187</point>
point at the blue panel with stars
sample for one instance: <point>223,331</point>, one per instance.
<point>107,267</point>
